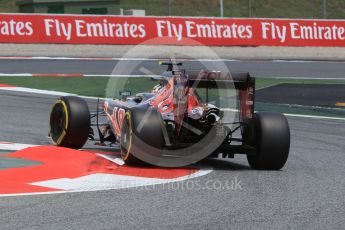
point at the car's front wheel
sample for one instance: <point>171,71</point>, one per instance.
<point>70,122</point>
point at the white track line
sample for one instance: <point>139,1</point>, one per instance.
<point>16,75</point>
<point>99,181</point>
<point>315,117</point>
<point>116,160</point>
<point>51,75</point>
<point>37,91</point>
<point>55,93</point>
<point>112,182</point>
<point>14,146</point>
<point>307,78</point>
<point>149,76</point>
<point>296,115</point>
<point>111,59</point>
<point>121,75</point>
<point>157,59</point>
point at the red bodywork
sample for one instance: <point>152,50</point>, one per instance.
<point>176,99</point>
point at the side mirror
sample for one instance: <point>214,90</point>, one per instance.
<point>124,94</point>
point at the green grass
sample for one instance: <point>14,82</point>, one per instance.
<point>109,87</point>
<point>239,8</point>
<point>8,6</point>
<point>232,8</point>
<point>4,151</point>
<point>265,82</point>
<point>91,86</point>
<point>97,86</point>
<point>298,109</point>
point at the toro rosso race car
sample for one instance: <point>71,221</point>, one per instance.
<point>175,124</point>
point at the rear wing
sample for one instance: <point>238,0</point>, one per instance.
<point>242,82</point>
<point>217,79</point>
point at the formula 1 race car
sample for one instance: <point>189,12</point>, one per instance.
<point>174,126</point>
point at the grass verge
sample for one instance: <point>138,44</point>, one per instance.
<point>91,86</point>
<point>97,87</point>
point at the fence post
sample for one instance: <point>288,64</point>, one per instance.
<point>324,9</point>
<point>169,7</point>
<point>221,8</point>
<point>250,8</point>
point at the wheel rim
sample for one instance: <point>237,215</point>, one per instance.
<point>126,137</point>
<point>58,122</point>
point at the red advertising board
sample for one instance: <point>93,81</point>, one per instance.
<point>120,30</point>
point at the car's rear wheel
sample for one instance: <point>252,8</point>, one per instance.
<point>70,122</point>
<point>141,135</point>
<point>272,141</point>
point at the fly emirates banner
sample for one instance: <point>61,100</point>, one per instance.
<point>118,30</point>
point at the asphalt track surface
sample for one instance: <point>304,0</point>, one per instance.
<point>258,68</point>
<point>304,94</point>
<point>307,194</point>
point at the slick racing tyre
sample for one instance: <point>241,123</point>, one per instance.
<point>141,134</point>
<point>70,122</point>
<point>272,141</point>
